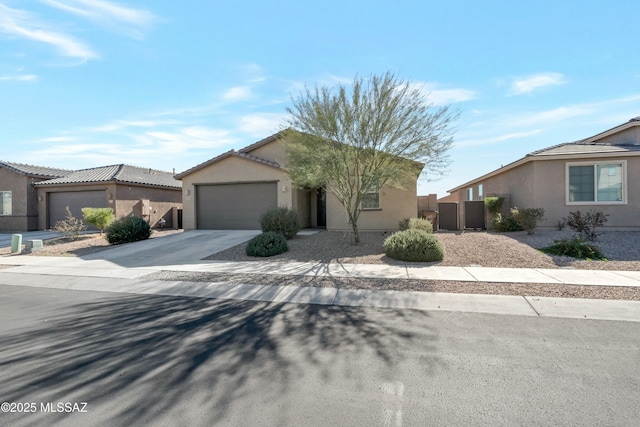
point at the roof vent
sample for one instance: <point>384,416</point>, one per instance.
<point>635,119</point>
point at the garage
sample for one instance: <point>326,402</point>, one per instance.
<point>76,200</point>
<point>236,206</point>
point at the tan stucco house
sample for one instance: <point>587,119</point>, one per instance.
<point>36,197</point>
<point>18,195</point>
<point>232,190</point>
<point>129,190</point>
<point>601,172</point>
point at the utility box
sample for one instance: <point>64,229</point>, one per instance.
<point>32,246</point>
<point>16,243</point>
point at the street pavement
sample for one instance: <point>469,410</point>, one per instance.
<point>153,360</point>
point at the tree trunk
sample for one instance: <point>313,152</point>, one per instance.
<point>356,236</point>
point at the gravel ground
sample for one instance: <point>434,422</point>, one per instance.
<point>487,249</point>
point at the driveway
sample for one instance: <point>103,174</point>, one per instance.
<point>189,247</point>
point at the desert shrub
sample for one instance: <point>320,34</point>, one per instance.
<point>575,247</point>
<point>280,220</point>
<point>267,244</point>
<point>505,223</point>
<point>416,224</point>
<point>413,245</point>
<point>586,223</point>
<point>528,218</point>
<point>128,229</point>
<point>71,226</point>
<point>100,217</point>
<point>494,204</point>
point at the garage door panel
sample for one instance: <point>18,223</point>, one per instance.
<point>76,200</point>
<point>234,206</point>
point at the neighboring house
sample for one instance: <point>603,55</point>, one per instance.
<point>128,190</point>
<point>601,172</point>
<point>232,190</point>
<point>19,197</point>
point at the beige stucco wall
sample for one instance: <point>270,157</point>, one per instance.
<point>108,188</point>
<point>273,151</point>
<point>542,184</point>
<point>627,136</point>
<point>395,205</point>
<point>229,170</point>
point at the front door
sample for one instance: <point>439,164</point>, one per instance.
<point>321,199</point>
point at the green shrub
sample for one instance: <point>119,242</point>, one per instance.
<point>70,227</point>
<point>494,204</point>
<point>505,224</point>
<point>128,229</point>
<point>528,218</point>
<point>280,220</point>
<point>574,247</point>
<point>100,217</point>
<point>414,245</point>
<point>267,244</point>
<point>587,223</point>
<point>416,224</point>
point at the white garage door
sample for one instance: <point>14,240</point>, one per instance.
<point>234,206</point>
<point>76,200</point>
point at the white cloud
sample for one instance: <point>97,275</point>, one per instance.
<point>108,14</point>
<point>496,139</point>
<point>22,24</point>
<point>20,78</point>
<point>261,124</point>
<point>440,96</point>
<point>237,93</point>
<point>530,83</point>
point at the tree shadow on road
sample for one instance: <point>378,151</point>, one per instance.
<point>151,354</point>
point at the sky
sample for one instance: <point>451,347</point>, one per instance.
<point>168,85</point>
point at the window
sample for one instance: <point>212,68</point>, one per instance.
<point>371,200</point>
<point>5,202</point>
<point>596,183</point>
<point>470,193</point>
<point>480,191</point>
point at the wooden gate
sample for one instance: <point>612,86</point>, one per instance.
<point>447,216</point>
<point>474,214</point>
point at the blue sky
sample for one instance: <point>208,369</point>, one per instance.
<point>168,84</point>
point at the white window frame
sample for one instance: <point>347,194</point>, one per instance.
<point>470,193</point>
<point>595,164</point>
<point>2,212</point>
<point>480,191</point>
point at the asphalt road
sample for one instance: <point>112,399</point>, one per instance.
<point>175,361</point>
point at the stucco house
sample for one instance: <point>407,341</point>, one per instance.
<point>19,197</point>
<point>601,172</point>
<point>36,197</point>
<point>128,190</point>
<point>232,190</point>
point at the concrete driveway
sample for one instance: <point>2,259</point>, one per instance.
<point>181,248</point>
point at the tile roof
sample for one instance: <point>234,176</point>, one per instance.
<point>117,173</point>
<point>35,171</point>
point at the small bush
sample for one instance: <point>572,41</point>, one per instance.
<point>413,245</point>
<point>267,244</point>
<point>128,229</point>
<point>71,226</point>
<point>281,220</point>
<point>575,247</point>
<point>528,218</point>
<point>587,223</point>
<point>416,224</point>
<point>505,224</point>
<point>494,204</point>
<point>100,217</point>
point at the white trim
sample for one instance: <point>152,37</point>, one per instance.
<point>624,200</point>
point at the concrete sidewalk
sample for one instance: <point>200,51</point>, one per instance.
<point>101,275</point>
